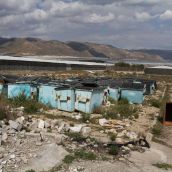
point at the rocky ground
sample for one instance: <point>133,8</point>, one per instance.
<point>41,141</point>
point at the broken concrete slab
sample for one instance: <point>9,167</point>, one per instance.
<point>85,131</point>
<point>15,125</point>
<point>50,156</point>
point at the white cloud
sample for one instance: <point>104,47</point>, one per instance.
<point>79,20</point>
<point>97,18</point>
<point>167,15</point>
<point>143,16</point>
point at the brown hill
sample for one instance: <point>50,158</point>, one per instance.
<point>33,46</point>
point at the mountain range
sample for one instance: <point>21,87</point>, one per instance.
<point>35,46</point>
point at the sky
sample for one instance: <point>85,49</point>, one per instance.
<point>131,24</point>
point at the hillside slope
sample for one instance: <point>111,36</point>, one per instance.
<point>34,46</point>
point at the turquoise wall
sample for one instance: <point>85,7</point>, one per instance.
<point>15,90</point>
<point>1,88</point>
<point>133,96</point>
<point>114,93</point>
<point>88,100</point>
<point>47,95</point>
<point>65,100</point>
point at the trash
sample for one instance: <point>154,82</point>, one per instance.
<point>103,121</point>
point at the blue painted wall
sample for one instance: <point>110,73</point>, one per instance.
<point>88,100</point>
<point>65,99</point>
<point>1,88</point>
<point>114,93</point>
<point>47,95</point>
<point>15,90</point>
<point>133,96</point>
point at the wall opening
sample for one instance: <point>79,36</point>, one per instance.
<point>168,114</point>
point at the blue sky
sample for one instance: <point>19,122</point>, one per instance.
<point>129,24</point>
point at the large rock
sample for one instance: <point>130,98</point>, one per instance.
<point>85,131</point>
<point>34,125</point>
<point>132,135</point>
<point>149,138</point>
<point>59,138</point>
<point>15,125</point>
<point>41,124</point>
<point>20,120</point>
<point>76,128</point>
<point>4,137</point>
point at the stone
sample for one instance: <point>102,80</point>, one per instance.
<point>15,125</point>
<point>112,131</point>
<point>132,135</point>
<point>126,148</point>
<point>20,113</point>
<point>34,125</point>
<point>2,149</point>
<point>77,117</point>
<point>12,131</point>
<point>20,120</point>
<point>122,134</point>
<point>24,159</point>
<point>1,155</point>
<point>103,121</point>
<point>4,137</point>
<point>119,141</point>
<point>85,131</point>
<point>149,137</point>
<point>41,124</point>
<point>54,123</point>
<point>130,146</point>
<point>59,138</point>
<point>76,128</point>
<point>47,124</point>
<point>38,144</point>
<point>61,127</point>
<point>20,108</point>
<point>12,156</point>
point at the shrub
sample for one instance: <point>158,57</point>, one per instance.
<point>85,117</point>
<point>68,159</point>
<point>111,113</point>
<point>3,113</point>
<point>122,64</point>
<point>99,110</point>
<point>76,137</point>
<point>19,100</point>
<point>113,150</point>
<point>85,155</point>
<point>112,101</point>
<point>156,103</point>
<point>31,107</point>
<point>157,129</point>
<point>123,101</point>
<point>30,170</point>
<point>112,136</point>
<point>163,166</point>
<point>123,108</point>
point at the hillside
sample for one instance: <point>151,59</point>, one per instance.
<point>165,54</point>
<point>34,46</point>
